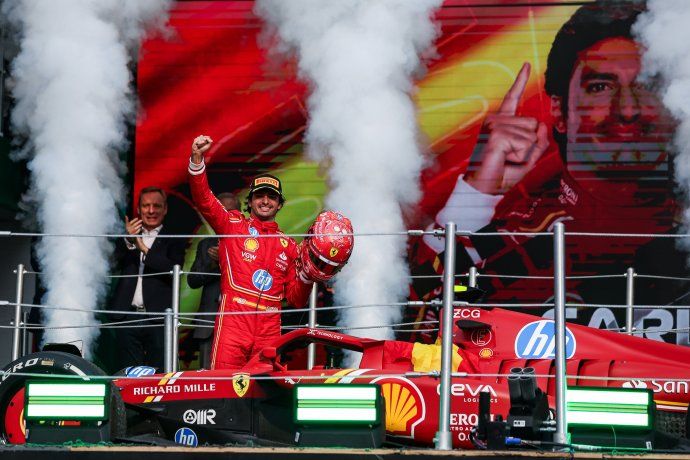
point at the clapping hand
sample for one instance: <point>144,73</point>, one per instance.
<point>133,227</point>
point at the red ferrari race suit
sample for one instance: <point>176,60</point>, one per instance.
<point>257,273</point>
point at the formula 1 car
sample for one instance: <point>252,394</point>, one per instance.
<point>255,403</point>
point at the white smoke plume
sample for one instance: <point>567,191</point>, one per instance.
<point>663,31</point>
<point>359,58</point>
<point>72,86</point>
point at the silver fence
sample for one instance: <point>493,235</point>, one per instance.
<point>173,317</point>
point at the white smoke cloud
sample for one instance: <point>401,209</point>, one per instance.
<point>664,32</point>
<point>73,94</point>
<point>359,57</point>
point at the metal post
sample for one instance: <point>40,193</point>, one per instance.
<point>25,334</point>
<point>444,440</point>
<point>18,311</point>
<point>472,278</point>
<point>168,356</point>
<point>629,299</point>
<point>311,351</point>
<point>176,316</point>
<point>559,314</point>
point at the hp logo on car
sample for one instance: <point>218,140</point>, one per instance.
<point>537,340</point>
<point>139,371</point>
<point>186,437</point>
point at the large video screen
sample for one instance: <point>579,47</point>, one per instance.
<point>533,114</point>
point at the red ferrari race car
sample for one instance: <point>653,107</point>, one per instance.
<point>256,403</point>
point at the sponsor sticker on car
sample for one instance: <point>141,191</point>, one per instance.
<point>186,437</point>
<point>139,371</point>
<point>405,405</point>
<point>537,340</point>
<point>199,417</point>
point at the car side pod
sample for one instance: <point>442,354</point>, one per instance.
<point>339,415</point>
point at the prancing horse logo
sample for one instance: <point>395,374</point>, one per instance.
<point>240,383</point>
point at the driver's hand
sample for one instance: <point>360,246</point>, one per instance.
<point>515,143</point>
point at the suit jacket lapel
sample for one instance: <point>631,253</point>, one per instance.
<point>158,241</point>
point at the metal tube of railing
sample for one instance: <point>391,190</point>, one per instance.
<point>444,440</point>
<point>559,314</point>
<point>18,311</point>
<point>168,340</point>
<point>25,334</point>
<point>311,351</point>
<point>629,299</point>
<point>176,316</point>
<point>472,278</point>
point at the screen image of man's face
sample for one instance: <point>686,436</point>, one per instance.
<point>615,125</point>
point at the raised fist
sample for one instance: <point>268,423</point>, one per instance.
<point>201,145</point>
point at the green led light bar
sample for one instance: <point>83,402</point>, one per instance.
<point>591,407</point>
<point>66,401</point>
<point>337,404</point>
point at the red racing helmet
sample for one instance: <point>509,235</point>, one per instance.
<point>327,247</point>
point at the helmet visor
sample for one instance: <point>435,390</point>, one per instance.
<point>322,265</point>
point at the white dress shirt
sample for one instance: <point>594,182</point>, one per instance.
<point>149,236</point>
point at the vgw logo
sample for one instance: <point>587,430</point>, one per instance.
<point>186,437</point>
<point>537,340</point>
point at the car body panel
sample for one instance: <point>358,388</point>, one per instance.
<point>256,401</point>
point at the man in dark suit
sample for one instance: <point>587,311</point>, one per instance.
<point>144,256</point>
<point>206,261</point>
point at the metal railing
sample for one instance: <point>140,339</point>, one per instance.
<point>443,441</point>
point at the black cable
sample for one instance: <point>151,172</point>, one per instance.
<point>475,441</point>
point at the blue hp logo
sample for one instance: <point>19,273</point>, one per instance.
<point>262,280</point>
<point>186,437</point>
<point>139,371</point>
<point>253,231</point>
<point>537,340</point>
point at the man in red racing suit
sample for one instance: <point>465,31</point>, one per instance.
<point>257,268</point>
<point>606,168</point>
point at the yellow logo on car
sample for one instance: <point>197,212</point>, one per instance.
<point>402,407</point>
<point>240,383</point>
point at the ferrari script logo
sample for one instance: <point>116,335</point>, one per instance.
<point>240,383</point>
<point>333,252</point>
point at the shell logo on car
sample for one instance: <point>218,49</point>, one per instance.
<point>405,407</point>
